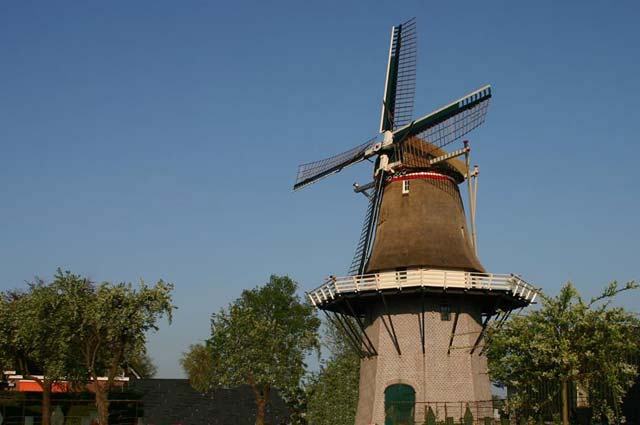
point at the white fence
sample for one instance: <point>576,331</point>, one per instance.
<point>417,278</point>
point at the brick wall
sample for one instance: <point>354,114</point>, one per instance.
<point>435,376</point>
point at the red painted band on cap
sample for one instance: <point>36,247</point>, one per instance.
<point>413,176</point>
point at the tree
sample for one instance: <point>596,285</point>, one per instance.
<point>75,331</point>
<point>142,364</point>
<point>35,337</point>
<point>568,340</point>
<point>197,363</point>
<point>333,392</point>
<point>115,321</point>
<point>261,340</point>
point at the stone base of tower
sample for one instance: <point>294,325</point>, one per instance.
<point>437,378</point>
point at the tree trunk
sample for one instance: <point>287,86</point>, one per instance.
<point>46,402</point>
<point>102,403</point>
<point>565,402</point>
<point>261,402</point>
<point>262,398</point>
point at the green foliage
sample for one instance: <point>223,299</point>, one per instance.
<point>333,392</point>
<point>116,319</point>
<point>142,364</point>
<point>37,332</point>
<point>115,322</point>
<point>74,330</point>
<point>261,339</point>
<point>8,350</point>
<point>567,340</point>
<point>198,364</point>
<point>264,335</point>
<point>334,395</point>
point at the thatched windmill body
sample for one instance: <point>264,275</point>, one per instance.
<point>417,300</point>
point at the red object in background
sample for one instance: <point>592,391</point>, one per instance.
<point>33,387</point>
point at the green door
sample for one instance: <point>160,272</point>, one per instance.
<point>399,405</point>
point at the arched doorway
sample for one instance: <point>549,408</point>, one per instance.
<point>399,405</point>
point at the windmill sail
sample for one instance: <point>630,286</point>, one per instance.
<point>359,254</point>
<point>363,248</point>
<point>450,122</point>
<point>311,172</point>
<point>400,84</point>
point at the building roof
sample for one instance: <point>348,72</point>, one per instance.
<point>174,401</point>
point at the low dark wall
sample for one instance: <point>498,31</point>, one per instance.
<point>149,402</point>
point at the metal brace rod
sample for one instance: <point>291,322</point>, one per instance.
<point>453,330</point>
<point>357,188</point>
<point>504,318</point>
<point>494,312</point>
<point>500,323</point>
<point>365,342</point>
<point>362,328</point>
<point>354,332</point>
<point>344,323</point>
<point>462,347</point>
<point>392,331</point>
<point>482,331</point>
<point>364,189</point>
<point>467,333</point>
<point>499,314</point>
<point>357,335</point>
<point>338,324</point>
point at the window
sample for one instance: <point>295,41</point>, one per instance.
<point>445,312</point>
<point>405,187</point>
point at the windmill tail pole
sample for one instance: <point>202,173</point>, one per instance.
<point>476,173</point>
<point>470,193</point>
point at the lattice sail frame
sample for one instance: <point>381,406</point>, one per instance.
<point>363,249</point>
<point>443,134</point>
<point>400,83</point>
<point>440,128</point>
<point>451,122</point>
<point>311,172</point>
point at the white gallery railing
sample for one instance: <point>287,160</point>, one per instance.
<point>431,278</point>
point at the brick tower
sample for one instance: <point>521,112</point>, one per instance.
<point>417,300</point>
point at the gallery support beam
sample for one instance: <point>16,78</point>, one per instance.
<point>421,322</point>
<point>353,341</point>
<point>482,332</point>
<point>390,328</point>
<point>453,331</point>
<point>363,330</point>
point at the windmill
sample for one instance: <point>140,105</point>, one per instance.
<point>415,272</point>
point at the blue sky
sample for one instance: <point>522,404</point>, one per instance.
<point>160,139</point>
